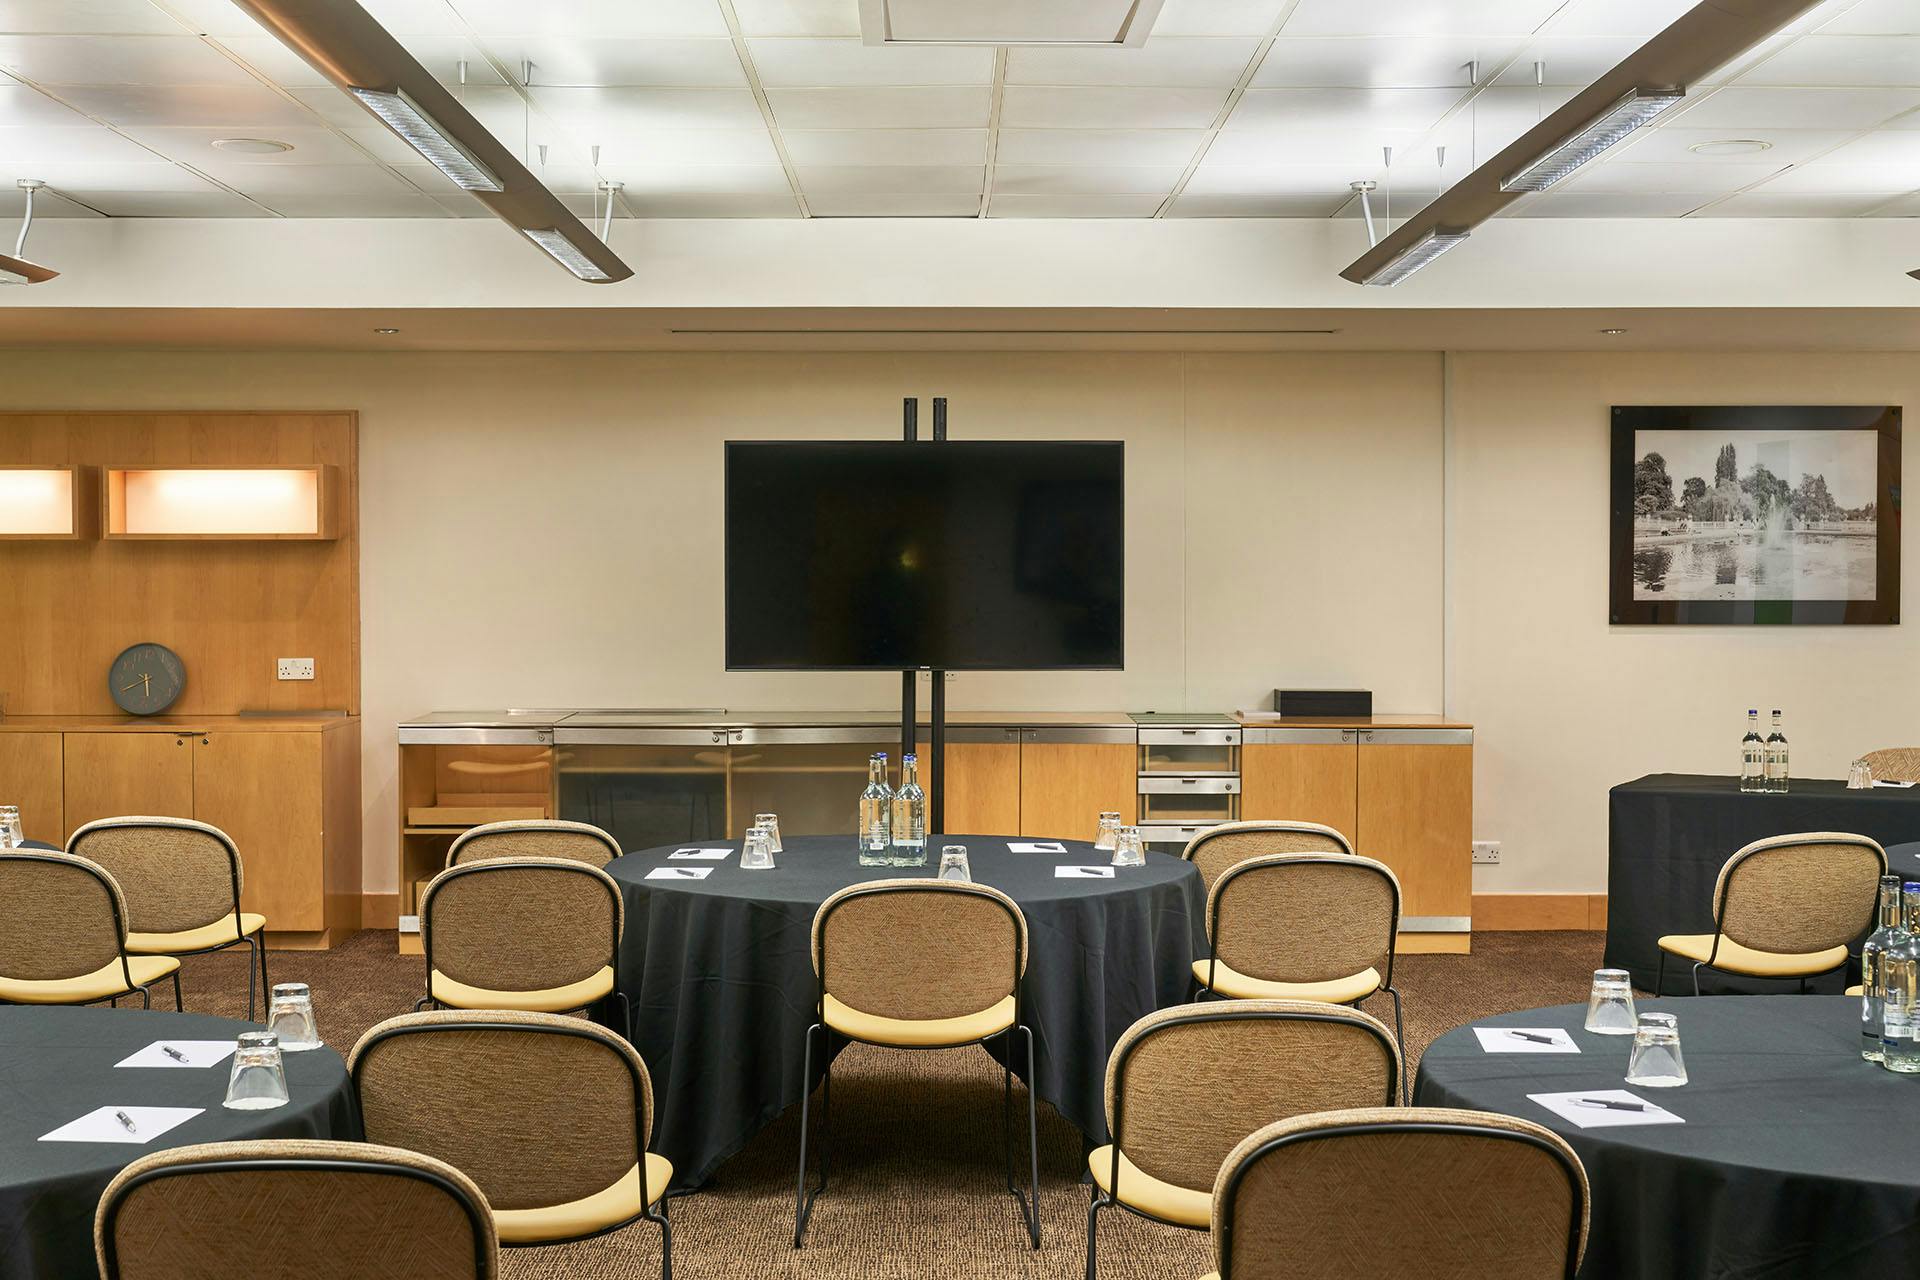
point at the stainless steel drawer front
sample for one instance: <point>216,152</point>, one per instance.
<point>1300,737</point>
<point>437,736</point>
<point>1189,737</point>
<point>1154,785</point>
<point>640,737</point>
<point>1089,734</point>
<point>1417,737</point>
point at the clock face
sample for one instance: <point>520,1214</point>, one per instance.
<point>146,678</point>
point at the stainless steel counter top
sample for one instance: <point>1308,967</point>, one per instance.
<point>724,718</point>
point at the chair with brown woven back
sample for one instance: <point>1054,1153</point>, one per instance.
<point>534,838</point>
<point>549,1115</point>
<point>1217,848</point>
<point>539,934</point>
<point>1187,1084</point>
<point>293,1210</point>
<point>1895,764</point>
<point>1303,926</point>
<point>63,934</point>
<point>1404,1191</point>
<point>1785,907</point>
<point>182,883</point>
<point>919,964</point>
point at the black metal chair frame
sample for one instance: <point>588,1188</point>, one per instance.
<point>495,864</point>
<point>1260,861</point>
<point>113,904</point>
<point>640,1086</point>
<point>256,945</point>
<point>1227,1198</point>
<point>110,1209</point>
<point>585,828</point>
<point>1226,1011</point>
<point>1719,921</point>
<point>1029,1201</point>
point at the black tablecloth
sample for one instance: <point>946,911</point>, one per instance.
<point>1668,835</point>
<point>1797,1158</point>
<point>56,1064</point>
<point>720,976</point>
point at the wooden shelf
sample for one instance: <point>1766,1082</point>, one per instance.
<point>219,503</point>
<point>47,504</point>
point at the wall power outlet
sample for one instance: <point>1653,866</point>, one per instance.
<point>1486,852</point>
<point>294,669</point>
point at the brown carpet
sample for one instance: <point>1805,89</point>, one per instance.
<point>918,1187</point>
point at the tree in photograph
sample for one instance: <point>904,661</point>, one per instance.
<point>1725,503</point>
<point>1691,494</point>
<point>1725,469</point>
<point>1812,501</point>
<point>1652,486</point>
<point>1766,491</point>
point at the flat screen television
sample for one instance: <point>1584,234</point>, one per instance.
<point>977,555</point>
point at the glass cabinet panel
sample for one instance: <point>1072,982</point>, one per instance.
<point>646,795</point>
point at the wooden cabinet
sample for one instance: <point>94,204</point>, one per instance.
<point>1068,777</point>
<point>263,789</point>
<point>1416,815</point>
<point>111,774</point>
<point>1308,775</point>
<point>30,781</point>
<point>981,781</point>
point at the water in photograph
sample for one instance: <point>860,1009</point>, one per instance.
<point>1753,566</point>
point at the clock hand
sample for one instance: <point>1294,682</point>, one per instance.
<point>135,684</point>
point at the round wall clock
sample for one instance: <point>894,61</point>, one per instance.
<point>146,678</point>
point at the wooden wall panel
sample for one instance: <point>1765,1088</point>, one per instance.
<point>229,609</point>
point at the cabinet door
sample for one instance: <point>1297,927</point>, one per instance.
<point>30,782</point>
<point>981,782</point>
<point>1416,815</point>
<point>263,789</point>
<point>1303,775</point>
<point>110,775</point>
<point>1069,776</point>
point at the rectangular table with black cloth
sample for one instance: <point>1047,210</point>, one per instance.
<point>1668,835</point>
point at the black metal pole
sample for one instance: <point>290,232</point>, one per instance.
<point>937,711</point>
<point>909,712</point>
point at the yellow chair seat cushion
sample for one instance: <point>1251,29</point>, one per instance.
<point>1856,990</point>
<point>102,984</point>
<point>207,936</point>
<point>575,995</point>
<point>1735,958</point>
<point>1236,985</point>
<point>919,1033</point>
<point>1167,1201</point>
<point>600,1211</point>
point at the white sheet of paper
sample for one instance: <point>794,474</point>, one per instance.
<point>679,873</point>
<point>698,855</point>
<point>102,1125</point>
<point>1035,846</point>
<point>1888,782</point>
<point>1083,873</point>
<point>1515,1040</point>
<point>1568,1107</point>
<point>198,1053</point>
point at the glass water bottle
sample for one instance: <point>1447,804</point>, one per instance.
<point>1776,756</point>
<point>1873,994</point>
<point>876,826</point>
<point>909,816</point>
<point>1753,756</point>
<point>1900,981</point>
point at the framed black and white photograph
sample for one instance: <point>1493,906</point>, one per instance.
<point>1756,514</point>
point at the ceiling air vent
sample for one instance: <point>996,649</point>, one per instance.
<point>1009,22</point>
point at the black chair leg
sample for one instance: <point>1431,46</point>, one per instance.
<point>1803,986</point>
<point>1660,977</point>
<point>1093,1225</point>
<point>1400,1038</point>
<point>803,1198</point>
<point>658,1213</point>
<point>146,997</point>
<point>1696,979</point>
<point>1032,1205</point>
<point>178,1007</point>
<point>266,984</point>
<point>626,1016</point>
<point>253,947</point>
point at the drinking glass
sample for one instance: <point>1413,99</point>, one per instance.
<point>1859,776</point>
<point>1610,1005</point>
<point>1127,849</point>
<point>10,837</point>
<point>755,853</point>
<point>257,1081</point>
<point>290,1017</point>
<point>953,863</point>
<point>771,823</point>
<point>1108,835</point>
<point>1656,1061</point>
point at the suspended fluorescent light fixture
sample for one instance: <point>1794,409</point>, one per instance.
<point>567,254</point>
<point>1415,256</point>
<point>420,131</point>
<point>14,268</point>
<point>1612,126</point>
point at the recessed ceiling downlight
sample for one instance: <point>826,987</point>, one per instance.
<point>253,146</point>
<point>1730,147</point>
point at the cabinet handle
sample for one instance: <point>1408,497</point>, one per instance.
<point>1346,735</point>
<point>206,742</point>
<point>1367,736</point>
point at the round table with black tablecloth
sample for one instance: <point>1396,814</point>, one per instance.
<point>720,975</point>
<point>1903,860</point>
<point>57,1064</point>
<point>1797,1158</point>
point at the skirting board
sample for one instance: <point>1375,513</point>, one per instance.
<point>1518,912</point>
<point>379,910</point>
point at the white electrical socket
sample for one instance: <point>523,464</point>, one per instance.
<point>1485,852</point>
<point>295,669</point>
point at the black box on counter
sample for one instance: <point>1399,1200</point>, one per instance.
<point>1323,702</point>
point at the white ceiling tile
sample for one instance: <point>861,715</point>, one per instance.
<point>209,203</point>
<point>1360,151</point>
<point>1255,206</point>
<point>572,61</point>
<point>1217,18</point>
<point>1638,20</point>
<point>1500,114</point>
<point>942,108</point>
<point>1347,109</point>
<point>709,205</point>
<point>1683,176</point>
<point>81,178</point>
<point>1903,207</point>
<point>798,17</point>
<point>892,179</point>
<point>628,110</point>
<point>21,107</point>
<point>1099,146</point>
<point>1567,60</point>
<point>1760,204</point>
<point>598,19</point>
<point>274,60</point>
<point>332,106</point>
<point>440,55</point>
<point>1877,17</point>
<point>426,17</point>
<point>882,205</point>
<point>887,146</point>
<point>1085,179</point>
<point>152,60</point>
<point>1418,17</point>
<point>1611,204</point>
<point>1842,60</point>
<point>261,180</point>
<point>1846,179</point>
<point>1888,146</point>
<point>1380,62</point>
<point>399,203</point>
<point>1271,180</point>
<point>1011,205</point>
<point>86,144</point>
<point>1041,107</point>
<point>1196,63</point>
<point>688,146</point>
<point>1008,21</point>
<point>310,146</point>
<point>241,108</point>
<point>207,17</point>
<point>1739,109</point>
<point>71,17</point>
<point>852,64</point>
<point>1673,144</point>
<point>700,179</point>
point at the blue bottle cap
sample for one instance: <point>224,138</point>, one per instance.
<point>1911,886</point>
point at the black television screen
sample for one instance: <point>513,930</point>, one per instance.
<point>965,555</point>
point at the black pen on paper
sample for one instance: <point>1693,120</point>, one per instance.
<point>1528,1035</point>
<point>173,1053</point>
<point>126,1120</point>
<point>1609,1104</point>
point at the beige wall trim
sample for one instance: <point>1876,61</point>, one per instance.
<point>379,910</point>
<point>1523,912</point>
